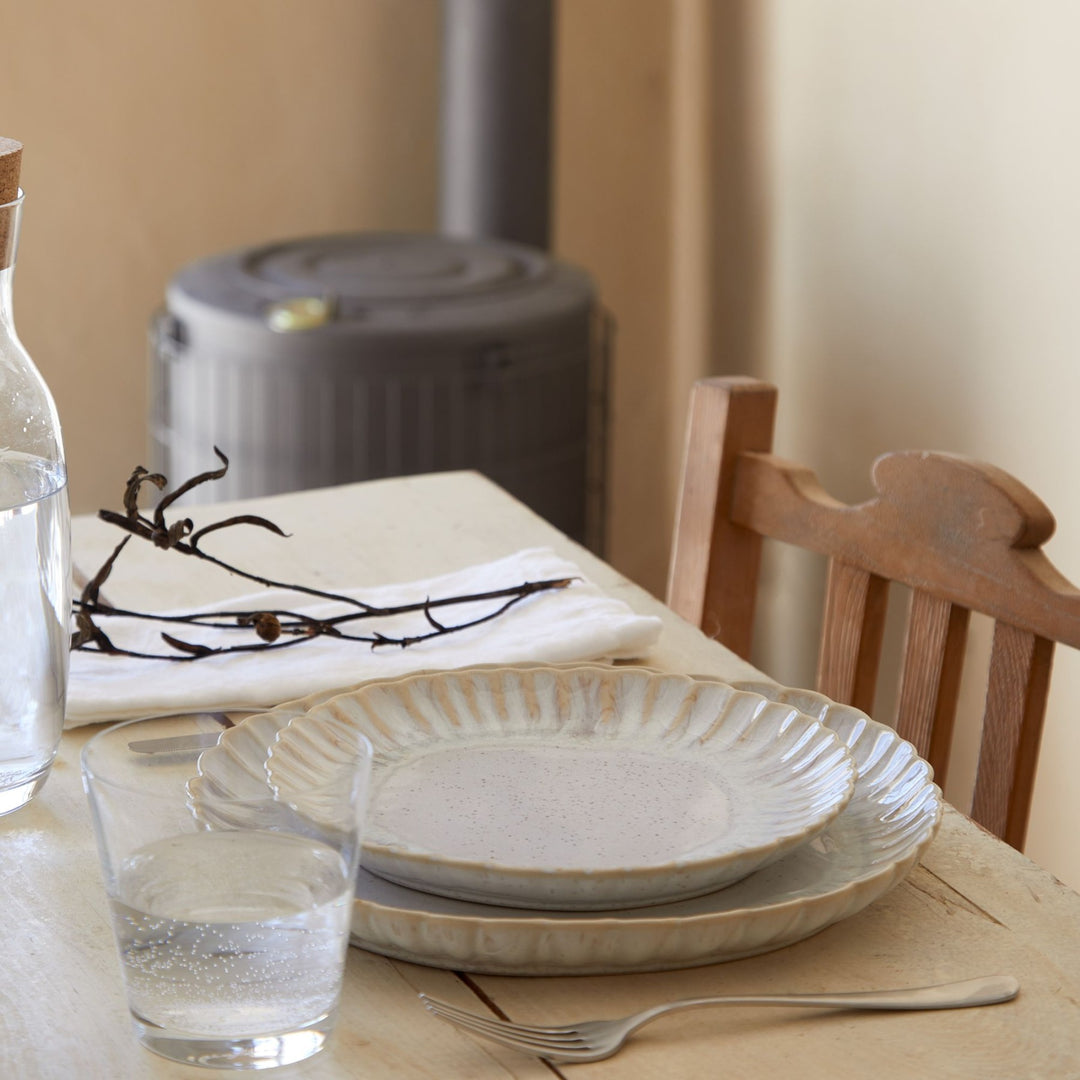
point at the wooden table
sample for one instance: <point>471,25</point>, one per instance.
<point>974,906</point>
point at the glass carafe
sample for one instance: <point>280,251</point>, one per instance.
<point>35,566</point>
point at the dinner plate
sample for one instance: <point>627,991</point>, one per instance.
<point>893,815</point>
<point>572,788</point>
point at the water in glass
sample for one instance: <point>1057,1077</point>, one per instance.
<point>232,933</point>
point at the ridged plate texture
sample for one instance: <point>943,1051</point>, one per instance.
<point>581,788</point>
<point>865,852</point>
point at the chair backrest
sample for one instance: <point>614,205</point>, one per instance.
<point>962,535</point>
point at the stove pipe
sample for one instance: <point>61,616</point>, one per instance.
<point>496,119</point>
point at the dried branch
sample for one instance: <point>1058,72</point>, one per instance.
<point>276,629</point>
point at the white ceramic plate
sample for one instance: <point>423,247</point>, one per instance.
<point>573,788</point>
<point>870,848</point>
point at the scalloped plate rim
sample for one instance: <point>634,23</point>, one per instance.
<point>554,887</point>
<point>516,942</point>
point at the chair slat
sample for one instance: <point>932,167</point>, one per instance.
<point>855,603</point>
<point>713,572</point>
<point>930,677</point>
<point>1019,680</point>
<point>964,536</point>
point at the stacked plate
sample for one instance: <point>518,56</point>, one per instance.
<point>588,819</point>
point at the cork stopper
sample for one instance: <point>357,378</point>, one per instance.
<point>10,162</point>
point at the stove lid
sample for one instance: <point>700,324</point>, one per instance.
<point>380,283</point>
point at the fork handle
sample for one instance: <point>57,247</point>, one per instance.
<point>987,990</point>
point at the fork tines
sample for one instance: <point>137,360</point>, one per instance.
<point>536,1040</point>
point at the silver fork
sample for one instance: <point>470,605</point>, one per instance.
<point>594,1040</point>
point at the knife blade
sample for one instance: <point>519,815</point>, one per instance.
<point>203,741</point>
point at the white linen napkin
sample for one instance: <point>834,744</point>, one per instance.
<point>579,622</point>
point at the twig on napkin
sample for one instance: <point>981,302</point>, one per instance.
<point>275,629</point>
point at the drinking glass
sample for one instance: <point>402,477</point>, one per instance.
<point>231,900</point>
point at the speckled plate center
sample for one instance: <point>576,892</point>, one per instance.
<point>581,788</point>
<point>569,806</point>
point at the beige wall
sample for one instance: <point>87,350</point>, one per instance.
<point>611,190</point>
<point>924,236</point>
<point>157,132</point>
<point>657,193</point>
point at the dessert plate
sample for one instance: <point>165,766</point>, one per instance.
<point>893,815</point>
<point>580,788</point>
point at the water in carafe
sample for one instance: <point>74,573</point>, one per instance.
<point>35,568</point>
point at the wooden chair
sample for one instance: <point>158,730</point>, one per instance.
<point>963,536</point>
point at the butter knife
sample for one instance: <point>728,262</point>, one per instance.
<point>201,740</point>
